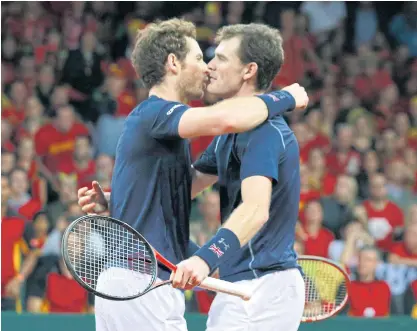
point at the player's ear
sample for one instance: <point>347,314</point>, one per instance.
<point>250,70</point>
<point>173,64</point>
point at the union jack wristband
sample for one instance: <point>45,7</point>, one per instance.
<point>277,102</point>
<point>222,246</point>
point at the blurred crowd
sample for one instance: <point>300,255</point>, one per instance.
<point>67,85</point>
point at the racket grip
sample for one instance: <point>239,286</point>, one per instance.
<point>222,286</point>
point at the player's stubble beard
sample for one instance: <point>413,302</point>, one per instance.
<point>192,83</point>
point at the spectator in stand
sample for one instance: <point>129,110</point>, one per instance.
<point>363,140</point>
<point>104,171</point>
<point>34,119</point>
<point>20,201</point>
<point>346,250</point>
<point>8,161</point>
<point>67,194</point>
<point>318,237</point>
<point>6,135</point>
<point>370,166</point>
<point>343,159</point>
<point>403,129</point>
<point>320,179</point>
<point>26,159</point>
<point>410,159</point>
<point>368,297</point>
<point>82,71</point>
<point>397,180</point>
<point>15,112</point>
<point>55,141</point>
<point>405,252</point>
<point>307,192</point>
<point>337,209</point>
<point>82,165</point>
<point>385,218</point>
<point>45,86</point>
<point>12,229</point>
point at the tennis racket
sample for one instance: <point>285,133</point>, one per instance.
<point>326,286</point>
<point>104,254</point>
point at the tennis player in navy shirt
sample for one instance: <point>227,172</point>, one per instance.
<point>259,178</point>
<point>151,184</point>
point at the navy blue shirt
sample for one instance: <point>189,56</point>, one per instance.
<point>270,150</point>
<point>151,184</point>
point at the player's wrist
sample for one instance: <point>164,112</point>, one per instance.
<point>222,246</point>
<point>278,102</point>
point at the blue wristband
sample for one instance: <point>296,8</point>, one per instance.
<point>223,245</point>
<point>277,102</point>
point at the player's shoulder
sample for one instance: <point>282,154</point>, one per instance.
<point>155,105</point>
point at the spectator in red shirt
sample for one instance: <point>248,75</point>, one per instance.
<point>369,297</point>
<point>318,237</point>
<point>405,252</point>
<point>26,159</point>
<point>11,233</point>
<point>82,164</point>
<point>402,127</point>
<point>343,159</point>
<point>320,179</point>
<point>55,141</point>
<point>385,218</point>
<point>34,119</point>
<point>314,120</point>
<point>307,193</point>
<point>15,113</point>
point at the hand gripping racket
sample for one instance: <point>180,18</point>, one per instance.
<point>326,285</point>
<point>99,251</point>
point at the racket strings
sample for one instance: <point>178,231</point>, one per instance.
<point>107,257</point>
<point>325,288</point>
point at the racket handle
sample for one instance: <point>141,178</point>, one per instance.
<point>222,286</point>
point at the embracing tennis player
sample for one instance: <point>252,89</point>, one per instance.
<point>259,177</point>
<point>151,185</point>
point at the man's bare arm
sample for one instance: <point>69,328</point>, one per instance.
<point>239,114</point>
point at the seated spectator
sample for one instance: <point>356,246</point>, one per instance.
<point>318,238</point>
<point>81,164</point>
<point>320,179</point>
<point>307,193</point>
<point>370,166</point>
<point>410,159</point>
<point>405,252</point>
<point>346,250</point>
<point>368,297</point>
<point>15,112</point>
<point>337,209</point>
<point>385,218</point>
<point>34,119</point>
<point>6,136</point>
<point>397,180</point>
<point>12,229</point>
<point>55,141</point>
<point>8,161</point>
<point>20,201</point>
<point>104,171</point>
<point>343,159</point>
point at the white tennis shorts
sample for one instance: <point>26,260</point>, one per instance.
<point>161,309</point>
<point>276,305</point>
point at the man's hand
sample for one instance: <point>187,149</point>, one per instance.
<point>299,94</point>
<point>190,273</point>
<point>92,201</point>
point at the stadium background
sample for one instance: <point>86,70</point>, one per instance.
<point>67,86</point>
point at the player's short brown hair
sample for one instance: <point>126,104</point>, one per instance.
<point>260,44</point>
<point>155,43</point>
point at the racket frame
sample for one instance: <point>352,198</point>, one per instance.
<point>347,280</point>
<point>74,274</point>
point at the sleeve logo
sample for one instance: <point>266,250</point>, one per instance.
<point>173,108</point>
<point>216,250</point>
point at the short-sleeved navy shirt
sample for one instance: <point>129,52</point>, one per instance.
<point>151,184</point>
<point>270,150</point>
